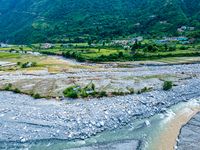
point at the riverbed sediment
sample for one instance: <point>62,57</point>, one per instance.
<point>24,118</point>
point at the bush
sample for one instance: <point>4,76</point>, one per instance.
<point>103,93</point>
<point>18,63</point>
<point>144,89</point>
<point>37,95</point>
<point>93,93</point>
<point>93,86</point>
<point>31,93</point>
<point>8,86</point>
<point>73,94</point>
<point>182,48</point>
<point>34,64</point>
<point>69,89</point>
<point>167,85</point>
<point>139,92</point>
<point>16,90</point>
<point>132,90</point>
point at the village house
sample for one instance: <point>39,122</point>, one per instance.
<point>4,45</point>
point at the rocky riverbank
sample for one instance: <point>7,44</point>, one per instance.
<point>23,118</point>
<point>189,134</point>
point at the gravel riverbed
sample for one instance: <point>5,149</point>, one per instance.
<point>23,118</point>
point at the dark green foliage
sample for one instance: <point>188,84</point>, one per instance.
<point>84,94</point>
<point>37,95</point>
<point>183,48</point>
<point>16,90</point>
<point>144,89</point>
<point>8,86</point>
<point>132,90</point>
<point>93,86</point>
<point>24,65</point>
<point>121,54</point>
<point>167,85</point>
<point>69,90</point>
<point>94,93</point>
<point>34,64</point>
<point>31,93</point>
<point>73,94</point>
<point>117,93</point>
<point>103,93</point>
<point>45,21</point>
<point>139,92</point>
<point>18,63</point>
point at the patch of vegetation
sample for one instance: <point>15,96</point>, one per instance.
<point>73,94</point>
<point>8,86</point>
<point>103,93</point>
<point>139,92</point>
<point>37,95</point>
<point>167,85</point>
<point>16,90</point>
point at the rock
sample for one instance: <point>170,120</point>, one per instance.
<point>147,122</point>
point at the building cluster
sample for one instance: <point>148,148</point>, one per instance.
<point>183,40</point>
<point>46,46</point>
<point>5,45</point>
<point>183,28</point>
<point>125,42</point>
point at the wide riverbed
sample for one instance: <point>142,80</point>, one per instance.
<point>148,131</point>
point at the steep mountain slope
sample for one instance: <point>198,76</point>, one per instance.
<point>31,21</point>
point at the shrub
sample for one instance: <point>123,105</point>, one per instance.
<point>167,85</point>
<point>182,48</point>
<point>132,90</point>
<point>84,94</point>
<point>103,93</point>
<point>16,90</point>
<point>93,93</point>
<point>139,92</point>
<point>93,86</point>
<point>73,94</point>
<point>10,84</point>
<point>7,88</point>
<point>37,95</point>
<point>18,63</point>
<point>69,89</point>
<point>34,64</point>
<point>144,89</point>
<point>31,93</point>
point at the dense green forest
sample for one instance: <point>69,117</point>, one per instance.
<point>33,21</point>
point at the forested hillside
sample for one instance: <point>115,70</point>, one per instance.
<point>32,21</point>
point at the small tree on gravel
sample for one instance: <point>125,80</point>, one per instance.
<point>16,90</point>
<point>167,85</point>
<point>37,95</point>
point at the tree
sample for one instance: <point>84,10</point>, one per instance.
<point>120,54</point>
<point>145,50</point>
<point>21,49</point>
<point>89,42</point>
<point>166,47</point>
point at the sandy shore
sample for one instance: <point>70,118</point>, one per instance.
<point>170,134</point>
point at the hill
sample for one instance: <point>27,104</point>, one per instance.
<point>24,22</point>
